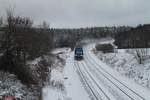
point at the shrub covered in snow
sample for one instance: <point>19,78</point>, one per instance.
<point>37,69</point>
<point>11,86</point>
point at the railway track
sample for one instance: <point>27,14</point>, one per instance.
<point>96,83</point>
<point>122,87</point>
<point>94,95</point>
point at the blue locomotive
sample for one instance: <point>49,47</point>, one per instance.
<point>78,53</point>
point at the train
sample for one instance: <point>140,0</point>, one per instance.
<point>78,53</point>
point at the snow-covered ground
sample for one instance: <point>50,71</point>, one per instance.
<point>64,83</point>
<point>125,62</point>
<point>74,87</point>
<point>11,86</point>
<point>91,78</point>
<point>111,82</point>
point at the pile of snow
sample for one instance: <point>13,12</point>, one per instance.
<point>126,63</point>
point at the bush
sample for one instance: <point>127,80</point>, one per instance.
<point>105,48</point>
<point>16,67</point>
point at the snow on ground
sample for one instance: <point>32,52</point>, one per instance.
<point>125,84</point>
<point>55,89</point>
<point>60,50</point>
<point>51,93</point>
<point>74,87</point>
<point>64,82</point>
<point>11,86</point>
<point>34,62</point>
<point>102,40</point>
<point>124,61</point>
<point>143,92</point>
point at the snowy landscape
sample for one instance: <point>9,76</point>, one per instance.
<point>84,80</point>
<point>126,63</point>
<point>74,50</point>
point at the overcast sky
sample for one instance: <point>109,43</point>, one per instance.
<point>81,13</point>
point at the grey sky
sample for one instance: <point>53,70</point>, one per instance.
<point>82,13</point>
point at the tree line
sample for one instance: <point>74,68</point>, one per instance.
<point>138,37</point>
<point>69,37</point>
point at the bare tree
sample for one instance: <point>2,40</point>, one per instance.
<point>141,55</point>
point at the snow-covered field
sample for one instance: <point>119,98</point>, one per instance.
<point>125,62</point>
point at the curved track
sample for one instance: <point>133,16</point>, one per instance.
<point>101,84</point>
<point>96,90</point>
<point>86,83</point>
<point>126,90</point>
